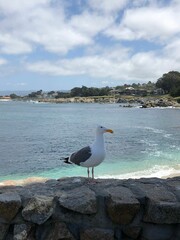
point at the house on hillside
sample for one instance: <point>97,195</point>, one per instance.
<point>132,91</point>
<point>114,92</point>
<point>158,91</point>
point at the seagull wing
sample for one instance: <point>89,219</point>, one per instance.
<point>80,156</point>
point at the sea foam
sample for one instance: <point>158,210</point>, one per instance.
<point>156,171</point>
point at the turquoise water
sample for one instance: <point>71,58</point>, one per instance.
<point>33,138</point>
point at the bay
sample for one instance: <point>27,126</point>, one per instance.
<point>33,138</point>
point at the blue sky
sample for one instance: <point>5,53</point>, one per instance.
<point>60,44</point>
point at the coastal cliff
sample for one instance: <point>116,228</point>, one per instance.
<point>76,208</point>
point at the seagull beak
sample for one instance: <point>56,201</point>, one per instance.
<point>109,130</point>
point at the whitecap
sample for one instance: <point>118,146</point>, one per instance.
<point>156,171</point>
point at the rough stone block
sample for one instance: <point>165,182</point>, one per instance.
<point>3,230</point>
<point>162,212</point>
<point>174,184</point>
<point>122,206</point>
<point>38,209</point>
<point>157,232</point>
<point>177,234</point>
<point>10,203</point>
<point>97,234</point>
<point>132,231</point>
<point>82,200</point>
<point>54,231</point>
<point>9,236</point>
<point>162,205</point>
<point>22,231</point>
<point>73,209</point>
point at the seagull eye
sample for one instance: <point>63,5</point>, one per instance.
<point>101,127</point>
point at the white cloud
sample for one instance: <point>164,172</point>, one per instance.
<point>121,33</point>
<point>90,23</point>
<point>93,66</point>
<point>50,30</point>
<point>39,23</point>
<point>98,28</point>
<point>2,61</point>
<point>105,64</point>
<point>9,6</point>
<point>108,6</point>
<point>116,63</point>
<point>27,25</point>
<point>13,45</point>
<point>21,84</point>
<point>172,50</point>
<point>150,23</point>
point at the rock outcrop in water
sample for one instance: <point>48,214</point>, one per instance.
<point>73,208</point>
<point>149,102</point>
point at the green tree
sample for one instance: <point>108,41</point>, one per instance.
<point>104,91</point>
<point>35,94</point>
<point>169,82</point>
<point>84,91</point>
<point>51,92</point>
<point>175,92</point>
<point>13,96</point>
<point>62,95</point>
<point>76,92</point>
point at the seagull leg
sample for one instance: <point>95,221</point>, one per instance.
<point>92,181</point>
<point>88,172</point>
<point>92,173</point>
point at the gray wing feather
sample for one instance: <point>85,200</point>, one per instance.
<point>80,156</point>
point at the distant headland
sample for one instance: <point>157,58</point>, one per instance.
<point>164,93</point>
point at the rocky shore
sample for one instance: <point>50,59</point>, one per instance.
<point>76,208</point>
<point>149,102</point>
<point>142,102</point>
<point>124,101</point>
<point>80,100</point>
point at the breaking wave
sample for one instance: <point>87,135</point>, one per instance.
<point>156,171</point>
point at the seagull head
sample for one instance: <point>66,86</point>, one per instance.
<point>101,130</point>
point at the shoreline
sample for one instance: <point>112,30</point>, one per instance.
<point>172,175</point>
<point>30,180</point>
<point>123,101</point>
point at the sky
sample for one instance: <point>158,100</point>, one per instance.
<point>61,44</point>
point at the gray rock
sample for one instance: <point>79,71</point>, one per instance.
<point>174,186</point>
<point>132,231</point>
<point>9,236</point>
<point>54,231</point>
<point>82,200</point>
<point>97,234</point>
<point>122,206</point>
<point>3,230</point>
<point>157,192</point>
<point>162,212</point>
<point>157,232</point>
<point>38,209</point>
<point>162,205</point>
<point>72,208</point>
<point>10,203</point>
<point>177,234</point>
<point>22,231</point>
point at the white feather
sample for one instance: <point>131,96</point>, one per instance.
<point>98,152</point>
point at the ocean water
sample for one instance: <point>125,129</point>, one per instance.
<point>33,138</point>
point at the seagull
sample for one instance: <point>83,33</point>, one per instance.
<point>92,155</point>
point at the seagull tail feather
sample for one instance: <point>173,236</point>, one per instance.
<point>66,160</point>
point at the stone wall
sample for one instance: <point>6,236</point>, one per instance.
<point>76,208</point>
